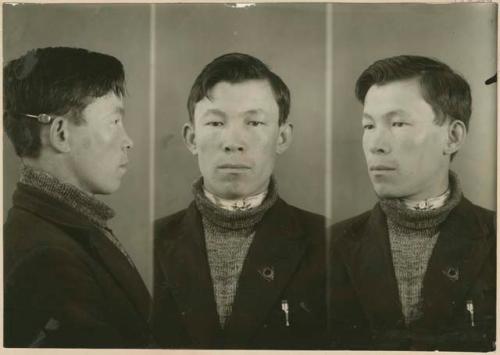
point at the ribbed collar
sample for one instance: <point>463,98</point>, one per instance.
<point>237,219</point>
<point>88,206</point>
<point>399,214</point>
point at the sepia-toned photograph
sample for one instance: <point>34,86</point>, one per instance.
<point>258,176</point>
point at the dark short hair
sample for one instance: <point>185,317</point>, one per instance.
<point>446,91</point>
<point>54,81</point>
<point>236,68</point>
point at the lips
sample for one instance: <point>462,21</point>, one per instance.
<point>382,168</point>
<point>233,166</point>
<point>124,164</point>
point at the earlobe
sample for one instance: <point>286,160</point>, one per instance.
<point>284,138</point>
<point>59,135</point>
<point>456,137</point>
<point>189,136</point>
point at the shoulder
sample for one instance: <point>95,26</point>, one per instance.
<point>164,226</point>
<point>305,217</point>
<point>354,224</point>
<point>35,246</point>
<point>485,217</point>
<point>24,231</point>
<point>312,226</point>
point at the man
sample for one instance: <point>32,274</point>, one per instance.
<point>239,268</point>
<point>419,270</point>
<point>67,280</point>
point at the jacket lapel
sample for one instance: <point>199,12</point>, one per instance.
<point>272,258</point>
<point>368,259</point>
<point>125,274</point>
<point>184,263</point>
<point>457,258</point>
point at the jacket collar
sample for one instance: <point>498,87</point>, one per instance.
<point>46,206</point>
<point>462,246</point>
<point>277,246</point>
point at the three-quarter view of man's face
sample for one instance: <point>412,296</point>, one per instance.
<point>403,145</point>
<point>236,136</point>
<point>98,146</point>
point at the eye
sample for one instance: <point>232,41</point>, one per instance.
<point>214,123</point>
<point>368,126</point>
<point>255,123</point>
<point>398,124</point>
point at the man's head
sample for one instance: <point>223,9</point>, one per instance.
<point>238,110</point>
<point>415,118</point>
<point>63,110</point>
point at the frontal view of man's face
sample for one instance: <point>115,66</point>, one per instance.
<point>236,136</point>
<point>98,146</point>
<point>403,145</point>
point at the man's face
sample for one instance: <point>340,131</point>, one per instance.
<point>403,146</point>
<point>98,146</point>
<point>236,136</point>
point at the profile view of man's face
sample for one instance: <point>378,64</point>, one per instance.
<point>236,136</point>
<point>403,145</point>
<point>98,146</point>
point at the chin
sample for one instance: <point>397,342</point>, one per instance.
<point>106,190</point>
<point>386,192</point>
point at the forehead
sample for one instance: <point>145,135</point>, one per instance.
<point>239,97</point>
<point>108,104</point>
<point>403,95</point>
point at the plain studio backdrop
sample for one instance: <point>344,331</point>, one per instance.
<point>164,47</point>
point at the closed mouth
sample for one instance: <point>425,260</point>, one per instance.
<point>381,168</point>
<point>233,166</point>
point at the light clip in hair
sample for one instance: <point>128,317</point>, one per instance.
<point>42,118</point>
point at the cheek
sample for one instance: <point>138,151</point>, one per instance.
<point>86,143</point>
<point>206,143</point>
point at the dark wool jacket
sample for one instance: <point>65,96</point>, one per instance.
<point>365,306</point>
<point>65,283</point>
<point>285,262</point>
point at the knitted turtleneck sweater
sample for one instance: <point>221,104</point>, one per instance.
<point>95,211</point>
<point>228,235</point>
<point>413,235</point>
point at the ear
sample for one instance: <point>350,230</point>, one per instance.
<point>189,136</point>
<point>456,137</point>
<point>58,137</point>
<point>285,137</point>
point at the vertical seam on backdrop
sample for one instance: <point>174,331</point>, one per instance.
<point>152,126</point>
<point>328,143</point>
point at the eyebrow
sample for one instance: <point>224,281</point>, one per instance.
<point>254,112</point>
<point>389,114</point>
<point>216,112</point>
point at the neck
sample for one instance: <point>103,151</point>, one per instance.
<point>72,197</point>
<point>437,187</point>
<point>55,165</point>
<point>399,213</point>
<point>233,218</point>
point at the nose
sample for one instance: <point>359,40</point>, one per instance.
<point>233,140</point>
<point>379,141</point>
<point>128,143</point>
